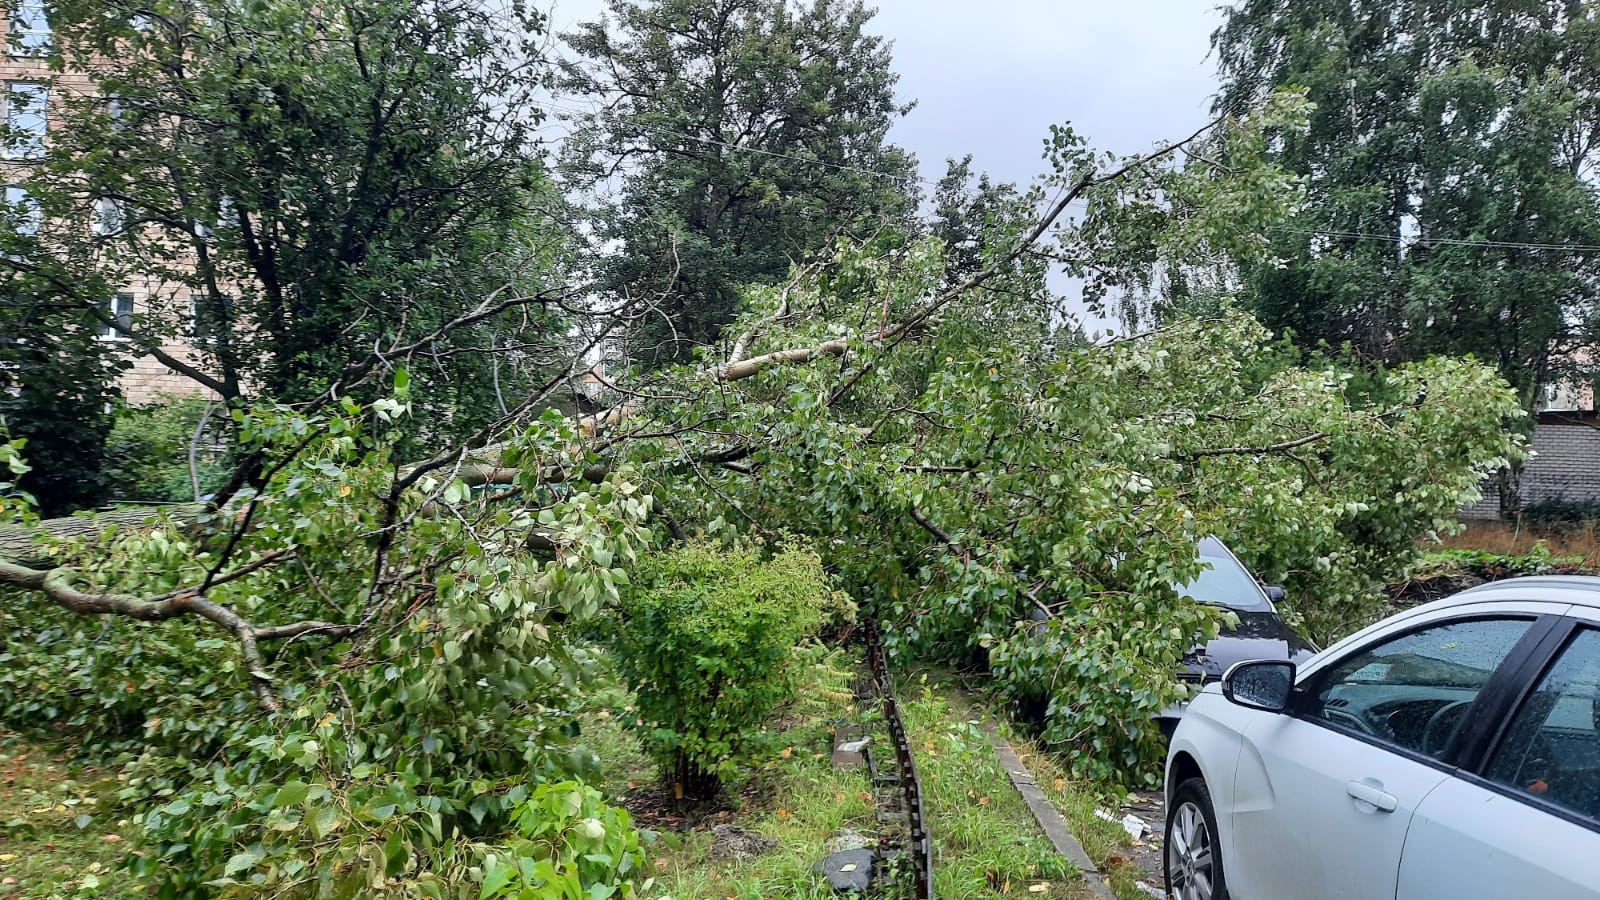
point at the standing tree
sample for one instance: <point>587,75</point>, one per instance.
<point>746,134</point>
<point>295,193</point>
<point>1449,164</point>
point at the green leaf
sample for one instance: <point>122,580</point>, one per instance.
<point>291,794</point>
<point>498,876</point>
<point>240,862</point>
<point>325,820</point>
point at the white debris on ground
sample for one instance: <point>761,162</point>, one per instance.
<point>1134,825</point>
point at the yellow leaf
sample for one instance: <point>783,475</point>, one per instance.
<point>344,490</point>
<point>1039,888</point>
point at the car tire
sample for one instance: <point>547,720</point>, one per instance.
<point>1193,863</point>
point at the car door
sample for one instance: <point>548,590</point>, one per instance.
<point>1323,796</point>
<point>1525,823</point>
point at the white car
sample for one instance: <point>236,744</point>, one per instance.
<point>1451,751</point>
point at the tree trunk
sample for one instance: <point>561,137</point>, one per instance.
<point>690,782</point>
<point>1509,483</point>
<point>18,544</point>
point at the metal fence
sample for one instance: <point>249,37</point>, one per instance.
<point>918,845</point>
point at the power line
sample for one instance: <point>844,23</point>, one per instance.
<point>1451,242</point>
<point>1083,204</point>
<point>740,148</point>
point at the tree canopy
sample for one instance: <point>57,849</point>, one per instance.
<point>301,192</point>
<point>1449,166</point>
<point>742,137</point>
<point>356,669</point>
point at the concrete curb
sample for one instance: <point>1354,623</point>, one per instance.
<point>1045,813</point>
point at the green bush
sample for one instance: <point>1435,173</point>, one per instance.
<point>706,643</point>
<point>147,452</point>
<point>1559,514</point>
<point>571,845</point>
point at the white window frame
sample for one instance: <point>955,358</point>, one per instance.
<point>29,28</point>
<point>32,216</point>
<point>41,95</point>
<point>109,216</point>
<point>193,332</point>
<point>114,305</point>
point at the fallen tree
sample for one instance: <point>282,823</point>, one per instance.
<point>348,667</point>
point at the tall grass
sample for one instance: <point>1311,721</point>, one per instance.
<point>1511,540</point>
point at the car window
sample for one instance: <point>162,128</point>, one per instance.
<point>1413,691</point>
<point>1224,582</point>
<point>1552,749</point>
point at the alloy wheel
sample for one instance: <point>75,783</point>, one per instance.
<point>1189,854</point>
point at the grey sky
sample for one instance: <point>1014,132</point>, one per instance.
<point>991,77</point>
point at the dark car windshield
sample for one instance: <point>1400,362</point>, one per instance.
<point>1224,582</point>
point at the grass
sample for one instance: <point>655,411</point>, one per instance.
<point>1105,842</point>
<point>54,840</point>
<point>1508,540</point>
<point>986,841</point>
<point>797,799</point>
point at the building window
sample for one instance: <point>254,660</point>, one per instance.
<point>108,217</point>
<point>27,119</point>
<point>203,319</point>
<point>26,209</point>
<point>120,306</point>
<point>30,29</point>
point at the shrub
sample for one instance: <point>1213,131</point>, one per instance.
<point>1560,514</point>
<point>706,644</point>
<point>571,845</point>
<point>147,452</point>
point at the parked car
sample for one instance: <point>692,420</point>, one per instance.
<point>1259,634</point>
<point>1449,751</point>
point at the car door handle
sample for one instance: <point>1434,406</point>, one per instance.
<point>1366,793</point>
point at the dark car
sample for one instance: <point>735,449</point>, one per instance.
<point>1260,633</point>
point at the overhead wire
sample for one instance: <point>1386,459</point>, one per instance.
<point>1444,241</point>
<point>1083,204</point>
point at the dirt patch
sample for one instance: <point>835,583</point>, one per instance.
<point>656,808</point>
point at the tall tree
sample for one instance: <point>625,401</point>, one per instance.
<point>746,134</point>
<point>1449,166</point>
<point>302,191</point>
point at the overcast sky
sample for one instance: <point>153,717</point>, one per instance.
<point>991,76</point>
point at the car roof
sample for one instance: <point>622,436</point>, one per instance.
<point>1580,590</point>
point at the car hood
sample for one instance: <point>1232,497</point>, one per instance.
<point>1259,635</point>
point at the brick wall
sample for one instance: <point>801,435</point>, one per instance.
<point>148,380</point>
<point>1566,463</point>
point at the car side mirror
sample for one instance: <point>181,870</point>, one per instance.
<point>1260,684</point>
<point>1275,592</point>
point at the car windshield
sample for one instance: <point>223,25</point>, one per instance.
<point>1224,582</point>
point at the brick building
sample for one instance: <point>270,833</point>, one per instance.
<point>1566,452</point>
<point>32,94</point>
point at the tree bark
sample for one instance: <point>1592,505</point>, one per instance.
<point>20,545</point>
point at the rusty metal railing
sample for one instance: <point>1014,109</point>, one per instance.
<point>918,846</point>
